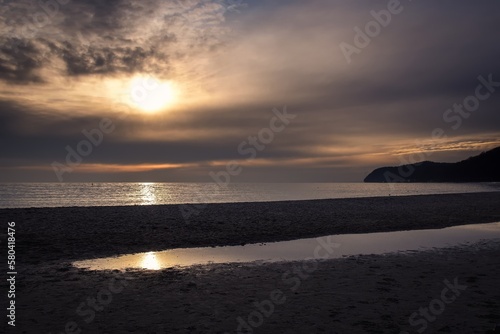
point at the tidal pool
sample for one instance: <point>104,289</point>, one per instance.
<point>333,246</point>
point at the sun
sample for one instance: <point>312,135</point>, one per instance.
<point>150,94</point>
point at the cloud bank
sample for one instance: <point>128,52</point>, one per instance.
<point>234,63</point>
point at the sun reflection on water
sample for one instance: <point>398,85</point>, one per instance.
<point>300,250</point>
<point>150,261</point>
<point>148,196</point>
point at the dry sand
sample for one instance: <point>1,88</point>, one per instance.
<point>365,294</point>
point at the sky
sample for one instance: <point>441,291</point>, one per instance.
<point>255,91</point>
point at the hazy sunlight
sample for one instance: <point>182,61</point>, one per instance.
<point>150,94</point>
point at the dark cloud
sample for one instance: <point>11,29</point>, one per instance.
<point>100,37</point>
<point>19,60</point>
<point>81,61</point>
<point>43,138</point>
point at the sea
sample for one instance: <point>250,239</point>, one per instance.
<point>37,195</point>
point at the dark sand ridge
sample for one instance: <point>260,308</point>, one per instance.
<point>52,234</point>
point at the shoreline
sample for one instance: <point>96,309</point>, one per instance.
<point>77,233</point>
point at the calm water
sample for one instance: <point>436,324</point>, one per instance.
<point>23,195</point>
<point>328,247</point>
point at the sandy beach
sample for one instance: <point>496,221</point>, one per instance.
<point>65,234</point>
<point>365,294</point>
<point>362,294</point>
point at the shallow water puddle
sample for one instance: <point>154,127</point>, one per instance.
<point>333,246</point>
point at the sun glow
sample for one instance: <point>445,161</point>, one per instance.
<point>150,94</point>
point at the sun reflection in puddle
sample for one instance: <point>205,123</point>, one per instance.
<point>298,250</point>
<point>150,262</point>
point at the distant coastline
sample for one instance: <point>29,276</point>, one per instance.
<point>481,168</point>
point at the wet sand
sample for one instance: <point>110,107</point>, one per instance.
<point>363,294</point>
